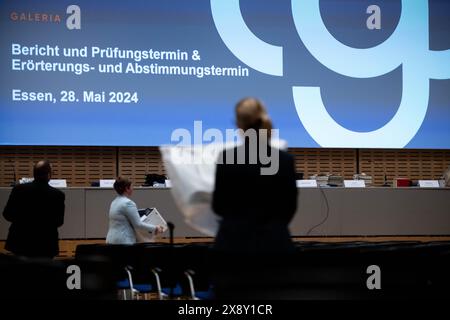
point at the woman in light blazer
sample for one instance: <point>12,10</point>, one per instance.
<point>124,217</point>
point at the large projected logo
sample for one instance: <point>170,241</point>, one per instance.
<point>408,46</point>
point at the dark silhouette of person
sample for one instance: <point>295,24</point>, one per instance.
<point>256,208</point>
<point>255,194</point>
<point>35,211</point>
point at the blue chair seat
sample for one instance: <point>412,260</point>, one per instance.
<point>177,291</point>
<point>141,287</point>
<point>123,284</point>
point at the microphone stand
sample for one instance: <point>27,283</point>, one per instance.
<point>13,164</point>
<point>385,184</point>
<point>171,227</point>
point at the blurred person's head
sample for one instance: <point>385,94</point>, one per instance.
<point>251,114</point>
<point>123,186</point>
<point>255,126</point>
<point>42,171</point>
<point>447,177</point>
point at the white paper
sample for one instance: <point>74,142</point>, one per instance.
<point>151,217</point>
<point>307,183</point>
<point>25,180</point>
<point>155,218</point>
<point>107,183</point>
<point>58,183</point>
<point>354,184</point>
<point>168,183</point>
<point>193,182</point>
<point>429,183</point>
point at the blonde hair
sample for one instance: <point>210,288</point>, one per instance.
<point>252,114</point>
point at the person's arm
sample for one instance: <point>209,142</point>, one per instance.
<point>291,191</point>
<point>60,210</point>
<point>10,211</point>
<point>285,189</point>
<point>133,217</point>
<point>219,201</point>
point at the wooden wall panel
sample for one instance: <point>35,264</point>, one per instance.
<point>334,161</point>
<point>136,162</point>
<point>412,164</point>
<point>78,165</point>
<point>83,165</point>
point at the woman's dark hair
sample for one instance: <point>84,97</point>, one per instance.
<point>121,184</point>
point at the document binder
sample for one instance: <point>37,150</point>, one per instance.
<point>150,216</point>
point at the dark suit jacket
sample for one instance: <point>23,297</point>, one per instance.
<point>256,209</point>
<point>35,211</point>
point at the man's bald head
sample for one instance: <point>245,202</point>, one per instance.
<point>42,171</point>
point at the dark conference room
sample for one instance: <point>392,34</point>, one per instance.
<point>225,150</point>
